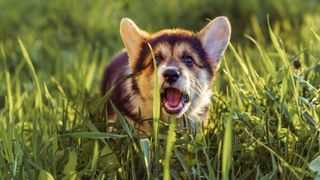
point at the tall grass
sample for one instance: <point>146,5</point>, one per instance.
<point>156,114</point>
<point>265,112</point>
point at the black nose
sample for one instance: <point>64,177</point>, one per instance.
<point>171,75</point>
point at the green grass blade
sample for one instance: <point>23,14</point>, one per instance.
<point>227,149</point>
<point>156,113</point>
<point>6,129</point>
<point>277,45</point>
<point>45,175</point>
<point>244,67</point>
<point>122,121</point>
<point>315,33</point>
<point>95,135</point>
<point>9,86</point>
<point>171,139</point>
<point>146,154</point>
<point>27,58</point>
<point>95,157</point>
<point>7,143</point>
<point>70,168</point>
<point>182,162</point>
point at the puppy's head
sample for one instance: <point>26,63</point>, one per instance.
<point>186,62</point>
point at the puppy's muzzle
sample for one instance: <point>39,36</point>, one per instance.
<point>171,75</point>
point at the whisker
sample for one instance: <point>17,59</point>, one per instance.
<point>198,88</point>
<point>197,83</point>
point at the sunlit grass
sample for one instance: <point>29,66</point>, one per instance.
<point>156,115</point>
<point>170,143</point>
<point>265,112</point>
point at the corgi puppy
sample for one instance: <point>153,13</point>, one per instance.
<point>186,63</point>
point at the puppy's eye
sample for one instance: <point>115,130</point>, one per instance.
<point>158,59</point>
<point>188,60</point>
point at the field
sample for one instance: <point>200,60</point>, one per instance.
<point>265,113</point>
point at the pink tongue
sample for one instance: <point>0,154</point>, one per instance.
<point>173,97</point>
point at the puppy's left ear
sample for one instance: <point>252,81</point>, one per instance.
<point>215,37</point>
<point>132,37</point>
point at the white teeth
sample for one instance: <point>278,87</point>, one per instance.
<point>173,108</point>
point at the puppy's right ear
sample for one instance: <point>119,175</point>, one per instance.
<point>215,38</point>
<point>132,37</point>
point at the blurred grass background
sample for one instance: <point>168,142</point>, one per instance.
<point>268,85</point>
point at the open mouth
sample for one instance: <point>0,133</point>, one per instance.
<point>173,100</point>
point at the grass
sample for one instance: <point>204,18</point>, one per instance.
<point>265,112</point>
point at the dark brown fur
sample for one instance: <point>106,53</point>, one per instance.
<point>112,74</point>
